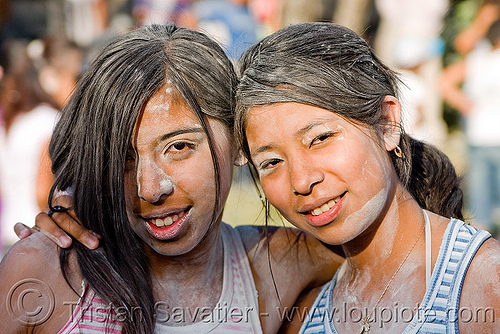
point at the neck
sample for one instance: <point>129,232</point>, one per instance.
<point>385,264</point>
<point>388,239</point>
<point>192,278</point>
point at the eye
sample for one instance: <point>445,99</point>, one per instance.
<point>179,147</point>
<point>321,138</point>
<point>270,163</point>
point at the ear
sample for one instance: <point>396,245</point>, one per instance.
<point>240,159</point>
<point>391,108</point>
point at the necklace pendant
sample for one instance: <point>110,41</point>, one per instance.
<point>365,325</point>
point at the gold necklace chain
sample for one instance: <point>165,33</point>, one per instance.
<point>365,322</point>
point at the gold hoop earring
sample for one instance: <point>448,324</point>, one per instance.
<point>398,152</point>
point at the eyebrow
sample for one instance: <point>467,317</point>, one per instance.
<point>308,128</point>
<point>298,134</point>
<point>260,150</point>
<point>180,132</point>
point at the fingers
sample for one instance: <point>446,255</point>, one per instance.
<point>69,221</point>
<point>48,227</point>
<point>22,231</point>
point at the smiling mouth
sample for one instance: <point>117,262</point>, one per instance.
<point>167,221</point>
<point>325,207</point>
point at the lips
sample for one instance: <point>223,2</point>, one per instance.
<point>325,207</point>
<point>167,227</point>
<point>325,213</point>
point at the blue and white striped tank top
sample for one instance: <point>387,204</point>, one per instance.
<point>438,311</point>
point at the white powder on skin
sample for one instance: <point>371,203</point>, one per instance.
<point>364,215</point>
<point>158,176</point>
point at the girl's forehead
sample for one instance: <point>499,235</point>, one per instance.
<point>289,113</point>
<point>167,113</point>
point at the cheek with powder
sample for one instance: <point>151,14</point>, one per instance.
<point>367,214</point>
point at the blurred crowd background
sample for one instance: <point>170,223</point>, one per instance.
<point>445,50</point>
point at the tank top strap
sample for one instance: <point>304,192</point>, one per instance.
<point>439,309</point>
<point>245,295</point>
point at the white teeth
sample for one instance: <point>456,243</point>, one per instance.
<point>325,207</point>
<point>167,221</point>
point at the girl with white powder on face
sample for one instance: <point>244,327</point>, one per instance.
<point>318,117</point>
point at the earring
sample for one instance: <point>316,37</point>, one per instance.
<point>398,152</point>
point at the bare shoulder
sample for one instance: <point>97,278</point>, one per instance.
<point>298,314</point>
<point>481,291</point>
<point>291,247</point>
<point>285,262</point>
<point>30,257</point>
<point>484,270</point>
<point>32,281</point>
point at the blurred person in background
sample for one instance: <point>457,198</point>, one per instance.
<point>229,22</point>
<point>27,120</point>
<point>60,67</point>
<point>416,25</point>
<point>410,55</point>
<point>475,33</point>
<point>471,86</point>
<point>38,77</point>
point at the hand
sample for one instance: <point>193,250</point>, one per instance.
<point>58,224</point>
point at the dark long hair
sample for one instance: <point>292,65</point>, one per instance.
<point>89,145</point>
<point>331,67</point>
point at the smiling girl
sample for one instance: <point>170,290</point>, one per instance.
<point>145,146</point>
<point>319,119</point>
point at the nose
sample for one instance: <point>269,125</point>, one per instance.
<point>153,183</point>
<point>303,176</point>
